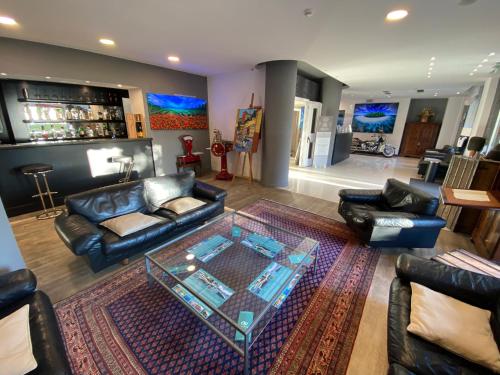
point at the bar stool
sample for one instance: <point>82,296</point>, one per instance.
<point>37,170</point>
<point>126,166</point>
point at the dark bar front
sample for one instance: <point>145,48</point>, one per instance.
<point>78,166</point>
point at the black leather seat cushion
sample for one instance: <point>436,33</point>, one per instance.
<point>358,214</point>
<point>112,243</point>
<point>36,168</point>
<point>104,203</point>
<point>194,216</point>
<point>48,348</point>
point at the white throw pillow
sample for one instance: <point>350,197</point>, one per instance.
<point>16,352</point>
<point>454,325</point>
<point>130,223</point>
<point>182,205</point>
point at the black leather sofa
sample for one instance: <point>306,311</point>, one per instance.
<point>410,354</point>
<point>18,288</point>
<point>79,227</point>
<point>399,215</point>
<point>444,155</point>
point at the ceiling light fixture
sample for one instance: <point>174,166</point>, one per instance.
<point>7,21</point>
<point>430,68</point>
<point>119,85</point>
<point>48,77</point>
<point>308,12</point>
<point>471,74</point>
<point>492,54</point>
<point>480,66</point>
<point>173,59</point>
<point>87,81</point>
<point>107,42</point>
<point>485,60</point>
<point>396,15</point>
<point>433,58</point>
<point>431,64</point>
<point>475,70</point>
<point>3,74</point>
<point>458,92</point>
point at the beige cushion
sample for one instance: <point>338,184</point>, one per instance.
<point>454,325</point>
<point>16,352</point>
<point>130,223</point>
<point>182,205</point>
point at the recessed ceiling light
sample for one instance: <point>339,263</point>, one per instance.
<point>433,58</point>
<point>107,42</point>
<point>475,70</point>
<point>458,92</point>
<point>431,64</point>
<point>485,60</point>
<point>480,66</point>
<point>48,77</point>
<point>173,59</point>
<point>119,85</point>
<point>3,74</point>
<point>396,15</point>
<point>7,21</point>
<point>430,67</point>
<point>87,81</point>
<point>492,54</point>
<point>471,74</point>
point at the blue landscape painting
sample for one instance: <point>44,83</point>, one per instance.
<point>374,117</point>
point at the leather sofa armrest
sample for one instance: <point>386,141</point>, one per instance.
<point>207,191</point>
<point>473,288</point>
<point>77,233</point>
<point>396,369</point>
<point>360,195</point>
<point>404,220</point>
<point>16,285</point>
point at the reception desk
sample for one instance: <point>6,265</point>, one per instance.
<point>78,166</point>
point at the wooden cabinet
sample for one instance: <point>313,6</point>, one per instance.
<point>418,137</point>
<point>486,235</point>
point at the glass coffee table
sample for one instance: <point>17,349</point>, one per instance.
<point>233,273</point>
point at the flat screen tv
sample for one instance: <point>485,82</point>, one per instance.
<point>374,117</point>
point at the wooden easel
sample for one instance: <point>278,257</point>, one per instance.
<point>245,154</point>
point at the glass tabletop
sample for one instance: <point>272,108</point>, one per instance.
<point>233,272</point>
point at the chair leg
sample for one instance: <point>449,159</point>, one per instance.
<point>40,194</point>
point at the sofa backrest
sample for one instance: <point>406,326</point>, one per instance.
<point>159,190</point>
<point>399,196</point>
<point>104,203</point>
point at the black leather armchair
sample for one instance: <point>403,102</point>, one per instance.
<point>410,354</point>
<point>444,155</point>
<point>80,231</point>
<point>399,215</point>
<point>17,289</point>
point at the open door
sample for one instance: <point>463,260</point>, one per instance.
<point>312,112</point>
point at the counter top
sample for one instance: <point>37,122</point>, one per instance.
<point>72,142</point>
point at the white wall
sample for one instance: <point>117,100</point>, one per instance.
<point>10,257</point>
<point>451,121</point>
<point>485,106</point>
<point>394,139</point>
<point>227,93</point>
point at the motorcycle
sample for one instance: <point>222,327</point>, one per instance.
<point>377,146</point>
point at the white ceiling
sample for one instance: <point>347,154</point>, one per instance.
<point>347,39</point>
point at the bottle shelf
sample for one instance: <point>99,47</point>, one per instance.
<point>66,101</point>
<point>69,121</point>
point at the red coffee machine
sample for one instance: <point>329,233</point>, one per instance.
<point>220,149</point>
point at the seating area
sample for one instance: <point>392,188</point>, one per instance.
<point>250,188</point>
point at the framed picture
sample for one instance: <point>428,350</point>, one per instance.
<point>248,123</point>
<point>375,117</point>
<point>176,112</point>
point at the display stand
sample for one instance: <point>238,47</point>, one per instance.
<point>248,153</point>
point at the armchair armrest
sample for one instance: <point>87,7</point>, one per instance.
<point>476,289</point>
<point>207,191</point>
<point>401,219</point>
<point>16,285</point>
<point>77,233</point>
<point>361,195</point>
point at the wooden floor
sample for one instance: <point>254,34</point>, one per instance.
<point>61,274</point>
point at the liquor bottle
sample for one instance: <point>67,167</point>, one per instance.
<point>45,133</point>
<point>27,115</point>
<point>140,133</point>
<point>81,132</point>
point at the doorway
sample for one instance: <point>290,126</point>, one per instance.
<point>305,119</point>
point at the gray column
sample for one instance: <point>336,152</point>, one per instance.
<point>281,80</point>
<point>331,92</point>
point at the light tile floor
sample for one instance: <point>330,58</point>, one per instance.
<point>357,172</point>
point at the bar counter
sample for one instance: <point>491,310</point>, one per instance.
<point>79,165</point>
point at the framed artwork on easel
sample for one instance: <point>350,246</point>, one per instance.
<point>248,124</point>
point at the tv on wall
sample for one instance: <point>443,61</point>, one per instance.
<point>374,117</point>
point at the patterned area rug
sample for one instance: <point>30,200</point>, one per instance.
<point>123,326</point>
